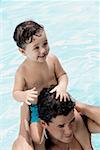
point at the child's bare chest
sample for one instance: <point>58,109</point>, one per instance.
<point>37,77</point>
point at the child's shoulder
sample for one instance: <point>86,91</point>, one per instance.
<point>52,56</point>
<point>21,69</point>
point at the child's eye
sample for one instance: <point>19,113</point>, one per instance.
<point>45,43</point>
<point>37,47</point>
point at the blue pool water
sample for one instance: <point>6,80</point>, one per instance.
<point>72,28</point>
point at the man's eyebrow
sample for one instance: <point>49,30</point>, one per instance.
<point>72,120</point>
<point>61,125</point>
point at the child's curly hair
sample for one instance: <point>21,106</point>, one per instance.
<point>24,32</point>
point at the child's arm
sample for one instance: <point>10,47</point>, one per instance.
<point>93,114</point>
<point>81,133</point>
<point>19,92</point>
<point>62,79</point>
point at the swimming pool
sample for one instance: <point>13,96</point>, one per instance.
<point>73,33</point>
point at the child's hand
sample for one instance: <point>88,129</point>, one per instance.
<point>60,92</point>
<point>31,96</point>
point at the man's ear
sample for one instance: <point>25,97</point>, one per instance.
<point>43,123</point>
<point>22,51</point>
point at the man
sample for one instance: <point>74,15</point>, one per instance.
<point>61,122</point>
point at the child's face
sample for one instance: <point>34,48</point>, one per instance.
<point>38,49</point>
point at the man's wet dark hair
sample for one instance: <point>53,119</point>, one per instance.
<point>49,107</point>
<point>24,32</point>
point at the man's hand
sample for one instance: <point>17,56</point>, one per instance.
<point>79,106</point>
<point>60,92</point>
<point>31,96</point>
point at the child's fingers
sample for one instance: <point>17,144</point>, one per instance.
<point>30,99</point>
<point>33,96</point>
<point>53,90</point>
<point>34,92</point>
<point>61,97</point>
<point>68,97</point>
<point>34,88</point>
<point>65,96</point>
<point>28,103</point>
<point>57,95</point>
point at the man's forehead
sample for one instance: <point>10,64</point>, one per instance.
<point>62,119</point>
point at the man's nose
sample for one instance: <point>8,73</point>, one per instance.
<point>68,130</point>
